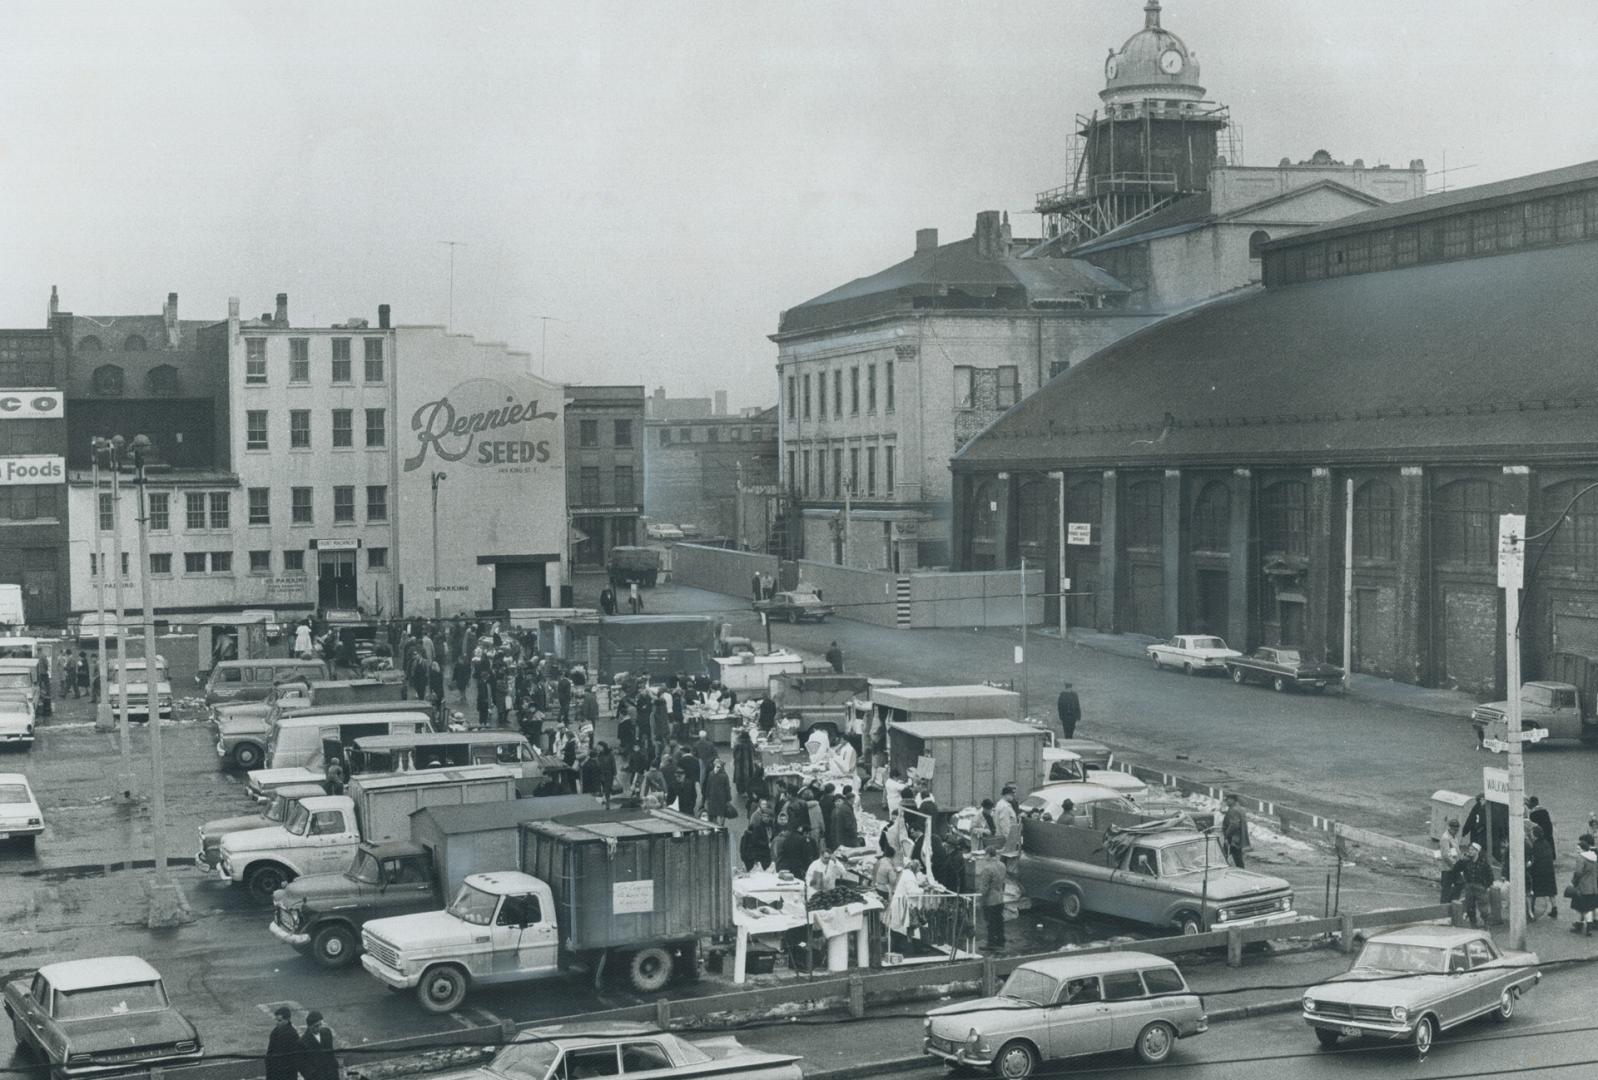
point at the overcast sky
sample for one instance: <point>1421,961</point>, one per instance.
<point>665,178</point>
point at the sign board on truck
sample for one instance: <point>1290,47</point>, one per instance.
<point>632,897</point>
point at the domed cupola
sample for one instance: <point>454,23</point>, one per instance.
<point>1153,63</point>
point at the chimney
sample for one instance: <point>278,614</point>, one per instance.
<point>988,235</point>
<point>1004,232</point>
<point>55,303</point>
<point>169,315</point>
<point>382,316</point>
<point>926,240</point>
<point>721,403</point>
<point>281,318</point>
<point>233,309</point>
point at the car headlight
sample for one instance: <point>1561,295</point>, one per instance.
<point>1286,903</point>
<point>1309,1004</point>
<point>1222,915</point>
<point>1400,1013</point>
<point>926,1024</point>
<point>974,1039</point>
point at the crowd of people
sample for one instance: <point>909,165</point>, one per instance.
<point>1477,876</point>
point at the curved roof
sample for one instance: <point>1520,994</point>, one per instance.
<point>1105,963</point>
<point>1455,361</point>
<point>72,975</point>
<point>1137,69</point>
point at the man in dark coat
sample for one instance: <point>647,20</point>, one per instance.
<point>845,827</point>
<point>835,657</point>
<point>1070,709</point>
<point>283,1047</point>
<point>317,1060</point>
<point>1538,815</point>
<point>768,714</point>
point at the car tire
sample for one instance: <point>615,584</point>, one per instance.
<point>265,880</point>
<point>793,617</point>
<point>334,946</point>
<point>1016,1060</point>
<point>24,1047</point>
<point>1238,676</point>
<point>247,756</point>
<point>1187,669</point>
<point>1424,1035</point>
<point>1156,658</point>
<point>1279,684</point>
<point>1506,1005</point>
<point>1070,906</point>
<point>649,970</point>
<point>1326,1037</point>
<point>1189,925</point>
<point>441,989</point>
<point>1154,1043</point>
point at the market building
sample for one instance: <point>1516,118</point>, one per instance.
<point>604,470</point>
<point>1431,355</point>
<point>33,472</point>
<point>696,467</point>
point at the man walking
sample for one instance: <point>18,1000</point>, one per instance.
<point>1538,815</point>
<point>1069,707</point>
<point>835,657</point>
<point>1476,874</point>
<point>317,1060</point>
<point>990,878</point>
<point>283,1047</point>
<point>1234,829</point>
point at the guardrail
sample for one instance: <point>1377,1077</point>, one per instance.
<point>852,990</point>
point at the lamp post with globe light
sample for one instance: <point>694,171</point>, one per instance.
<point>438,595</point>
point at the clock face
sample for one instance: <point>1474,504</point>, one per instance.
<point>1110,68</point>
<point>1170,61</point>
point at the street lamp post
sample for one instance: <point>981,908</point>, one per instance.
<point>114,447</point>
<point>438,596</point>
<point>167,905</point>
<point>103,719</point>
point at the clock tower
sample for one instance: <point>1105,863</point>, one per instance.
<point>1153,141</point>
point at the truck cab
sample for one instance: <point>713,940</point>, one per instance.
<point>500,927</point>
<point>321,915</point>
<point>319,837</point>
<point>1554,707</point>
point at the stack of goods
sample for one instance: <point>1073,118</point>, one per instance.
<point>840,895</point>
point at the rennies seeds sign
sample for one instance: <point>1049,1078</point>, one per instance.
<point>484,423</point>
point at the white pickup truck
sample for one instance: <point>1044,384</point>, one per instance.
<point>322,833</point>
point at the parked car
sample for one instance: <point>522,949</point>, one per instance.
<point>16,722</point>
<point>569,1051</point>
<point>1068,767</point>
<point>1192,653</point>
<point>1410,985</point>
<point>1282,668</point>
<point>1069,1006</point>
<point>99,1017</point>
<point>138,688</point>
<point>663,531</point>
<point>20,816</point>
<point>795,607</point>
<point>19,681</point>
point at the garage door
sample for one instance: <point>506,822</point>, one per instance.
<point>519,585</point>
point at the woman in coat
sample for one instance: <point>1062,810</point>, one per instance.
<point>1540,876</point>
<point>743,767</point>
<point>1584,887</point>
<point>718,793</point>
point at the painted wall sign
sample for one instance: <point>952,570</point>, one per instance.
<point>31,405</point>
<point>482,423</point>
<point>338,543</point>
<point>32,470</point>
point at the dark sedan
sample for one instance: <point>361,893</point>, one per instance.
<point>1283,668</point>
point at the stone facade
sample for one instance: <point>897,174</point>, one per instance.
<point>604,470</point>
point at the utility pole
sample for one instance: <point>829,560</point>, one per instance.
<point>543,342</point>
<point>1511,576</point>
<point>452,245</point>
<point>1024,621</point>
<point>116,445</point>
<point>1064,587</point>
<point>103,720</point>
<point>1348,584</point>
<point>438,596</point>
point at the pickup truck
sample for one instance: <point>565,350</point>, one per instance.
<point>275,812</point>
<point>633,564</point>
<point>640,887</point>
<point>323,833</point>
<point>138,694</point>
<point>1554,707</point>
<point>1281,669</point>
<point>1169,877</point>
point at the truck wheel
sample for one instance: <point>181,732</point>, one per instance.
<point>442,989</point>
<point>1238,676</point>
<point>247,756</point>
<point>334,946</point>
<point>1189,924</point>
<point>1154,1042</point>
<point>1070,905</point>
<point>1279,684</point>
<point>649,970</point>
<point>266,879</point>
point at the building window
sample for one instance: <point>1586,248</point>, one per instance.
<point>793,466</point>
<point>374,360</point>
<point>1145,515</point>
<point>29,502</point>
<point>221,562</point>
<point>194,511</point>
<point>837,394</point>
<point>300,505</point>
<point>623,532</point>
<point>293,561</point>
<point>1284,519</point>
<point>341,360</point>
<point>220,510</point>
<point>887,470</point>
<point>194,562</point>
<point>160,512</point>
<point>161,381</point>
<point>685,434</point>
<point>377,558</point>
<point>299,429</point>
<point>837,473</point>
<point>623,432</point>
<point>737,434</point>
<point>821,473</point>
<point>1034,514</point>
<point>108,381</point>
<point>1572,548</point>
<point>964,387</point>
<point>1257,240</point>
<point>255,429</point>
<point>854,391</point>
<point>804,473</point>
<point>161,562</point>
<point>807,396</point>
<point>343,504</point>
<point>588,485</point>
<point>821,392</point>
<point>713,434</point>
<point>343,428</point>
<point>871,470</point>
<point>376,428</point>
<point>376,502</point>
<point>1374,512</point>
<point>1212,517</point>
<point>1008,386</point>
<point>887,386</point>
<point>299,360</point>
<point>1464,523</point>
<point>255,361</point>
<point>107,514</point>
<point>854,470</point>
<point>793,399</point>
<point>985,519</point>
<point>260,506</point>
<point>588,433</point>
<point>89,344</point>
<point>261,562</point>
<point>624,486</point>
<point>871,388</point>
<point>665,436</point>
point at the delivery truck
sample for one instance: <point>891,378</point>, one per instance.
<point>659,644</point>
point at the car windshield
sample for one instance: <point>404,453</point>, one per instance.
<point>97,1001</point>
<point>1066,770</point>
<point>1191,857</point>
<point>1033,987</point>
<point>1287,656</point>
<point>1390,956</point>
<point>14,793</point>
<point>526,1061</point>
<point>365,869</point>
<point>1208,643</point>
<point>473,905</point>
<point>299,820</point>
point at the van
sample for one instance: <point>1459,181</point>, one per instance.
<point>298,737</point>
<point>252,680</point>
<point>409,753</point>
<point>242,728</point>
<point>133,670</point>
<point>19,681</point>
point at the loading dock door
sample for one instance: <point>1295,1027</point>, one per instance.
<point>520,585</point>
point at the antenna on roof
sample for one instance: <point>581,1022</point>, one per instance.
<point>1443,172</point>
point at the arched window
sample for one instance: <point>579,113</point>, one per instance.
<point>1463,523</point>
<point>1374,509</point>
<point>161,381</point>
<point>108,380</point>
<point>1212,517</point>
<point>1036,512</point>
<point>1256,240</point>
<point>1145,519</point>
<point>89,344</point>
<point>1573,547</point>
<point>984,522</point>
<point>1284,519</point>
<point>133,343</point>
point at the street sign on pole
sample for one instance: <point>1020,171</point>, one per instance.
<point>1495,785</point>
